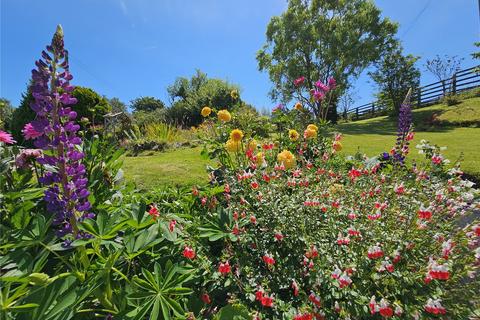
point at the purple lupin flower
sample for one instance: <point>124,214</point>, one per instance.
<point>405,129</point>
<point>66,196</point>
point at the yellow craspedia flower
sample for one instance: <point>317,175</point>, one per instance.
<point>293,134</point>
<point>298,106</point>
<point>310,134</point>
<point>252,145</point>
<point>312,127</point>
<point>232,146</point>
<point>224,115</point>
<point>236,135</point>
<point>260,158</point>
<point>234,94</point>
<point>206,112</point>
<point>337,145</point>
<point>286,158</point>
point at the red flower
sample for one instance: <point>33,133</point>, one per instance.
<point>253,219</point>
<point>295,288</point>
<point>206,298</point>
<point>195,192</point>
<point>386,312</point>
<point>227,188</point>
<point>268,259</point>
<point>154,212</point>
<point>267,301</point>
<point>306,316</point>
<point>224,268</point>
<point>278,236</point>
<point>188,253</point>
<point>259,295</point>
<point>424,214</point>
<point>314,299</point>
<point>172,224</point>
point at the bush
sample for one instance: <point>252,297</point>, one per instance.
<point>450,100</point>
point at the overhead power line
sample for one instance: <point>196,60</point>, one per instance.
<point>414,21</point>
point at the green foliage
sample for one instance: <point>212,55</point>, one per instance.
<point>6,111</point>
<point>146,104</point>
<point>90,105</point>
<point>142,118</point>
<point>21,116</point>
<point>189,96</point>
<point>319,39</point>
<point>395,74</point>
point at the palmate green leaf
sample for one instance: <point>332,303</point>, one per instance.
<point>24,307</point>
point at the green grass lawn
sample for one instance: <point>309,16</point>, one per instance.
<point>180,167</point>
<point>373,136</point>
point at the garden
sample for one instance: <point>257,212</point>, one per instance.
<point>209,210</point>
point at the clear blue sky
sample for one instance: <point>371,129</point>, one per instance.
<point>132,48</point>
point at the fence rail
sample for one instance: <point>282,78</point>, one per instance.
<point>426,95</point>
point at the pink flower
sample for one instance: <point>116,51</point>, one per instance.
<point>206,298</point>
<point>385,310</point>
<point>295,288</point>
<point>318,95</point>
<point>30,133</point>
<point>6,137</point>
<point>314,299</point>
<point>332,83</point>
<point>435,307</point>
<point>321,86</point>
<point>153,212</point>
<point>299,81</point>
<point>22,160</point>
<point>375,252</point>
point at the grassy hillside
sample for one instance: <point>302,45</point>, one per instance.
<point>438,124</point>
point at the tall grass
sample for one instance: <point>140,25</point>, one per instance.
<point>161,132</point>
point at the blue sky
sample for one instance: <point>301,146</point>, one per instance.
<point>132,48</point>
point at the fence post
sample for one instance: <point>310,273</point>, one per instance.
<point>356,112</point>
<point>419,97</point>
<point>373,108</point>
<point>444,88</point>
<point>454,83</point>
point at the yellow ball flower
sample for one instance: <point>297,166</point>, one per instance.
<point>206,111</point>
<point>252,145</point>
<point>298,106</point>
<point>337,146</point>
<point>232,146</point>
<point>224,115</point>
<point>236,135</point>
<point>293,134</point>
<point>312,127</point>
<point>286,158</point>
<point>310,134</point>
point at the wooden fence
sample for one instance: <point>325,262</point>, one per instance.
<point>424,96</point>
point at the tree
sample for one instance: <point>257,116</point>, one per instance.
<point>189,96</point>
<point>146,104</point>
<point>346,101</point>
<point>476,55</point>
<point>443,68</point>
<point>319,39</point>
<point>395,74</point>
<point>6,111</point>
<point>117,105</point>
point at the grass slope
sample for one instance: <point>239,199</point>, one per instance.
<point>180,167</point>
<point>373,136</point>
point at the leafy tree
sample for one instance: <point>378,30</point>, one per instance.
<point>146,104</point>
<point>443,68</point>
<point>22,115</point>
<point>319,39</point>
<point>395,73</point>
<point>90,105</point>
<point>117,105</point>
<point>6,111</point>
<point>189,96</point>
